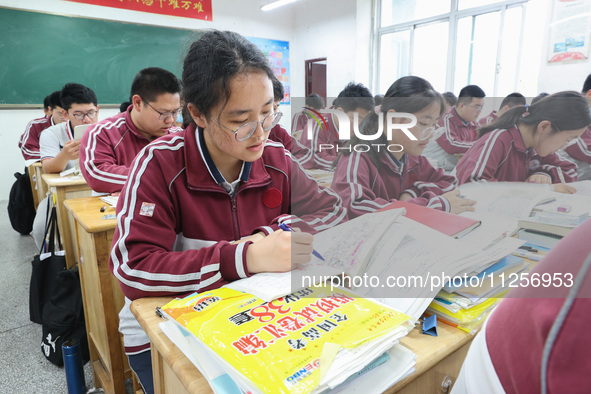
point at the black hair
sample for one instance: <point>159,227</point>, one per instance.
<point>408,94</point>
<point>124,105</point>
<point>378,98</point>
<point>587,84</point>
<point>567,110</point>
<point>46,103</point>
<point>278,91</point>
<point>314,101</point>
<point>151,82</point>
<point>54,99</point>
<point>212,61</point>
<point>353,96</point>
<point>539,97</point>
<point>469,92</point>
<point>450,97</point>
<point>513,99</point>
<point>74,93</point>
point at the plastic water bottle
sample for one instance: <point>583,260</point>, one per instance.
<point>73,367</point>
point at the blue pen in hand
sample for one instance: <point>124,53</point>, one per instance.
<point>286,227</point>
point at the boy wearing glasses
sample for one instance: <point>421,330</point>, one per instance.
<point>108,148</point>
<point>57,147</point>
<point>457,130</point>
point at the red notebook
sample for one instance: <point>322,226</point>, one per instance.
<point>446,223</point>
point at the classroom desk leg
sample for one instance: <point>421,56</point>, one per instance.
<point>165,379</point>
<point>101,294</point>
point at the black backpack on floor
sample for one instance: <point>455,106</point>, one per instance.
<point>21,208</point>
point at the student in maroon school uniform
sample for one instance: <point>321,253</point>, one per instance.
<point>29,141</point>
<point>450,101</point>
<point>520,146</point>
<point>322,142</point>
<point>202,207</point>
<point>278,133</point>
<point>579,152</point>
<point>300,119</point>
<point>108,148</point>
<point>512,100</point>
<point>370,179</point>
<point>457,130</point>
<point>536,340</point>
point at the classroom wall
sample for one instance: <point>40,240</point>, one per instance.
<point>561,76</point>
<point>242,16</point>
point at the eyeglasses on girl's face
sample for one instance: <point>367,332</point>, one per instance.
<point>245,131</point>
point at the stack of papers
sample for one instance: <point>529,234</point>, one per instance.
<point>308,341</point>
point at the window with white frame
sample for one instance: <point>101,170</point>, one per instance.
<point>451,43</point>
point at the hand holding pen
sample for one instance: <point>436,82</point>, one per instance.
<point>286,227</point>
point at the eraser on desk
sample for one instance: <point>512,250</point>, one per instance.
<point>107,217</point>
<point>430,325</point>
<point>563,208</point>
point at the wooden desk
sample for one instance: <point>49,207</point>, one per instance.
<point>37,183</point>
<point>437,357</point>
<point>63,189</point>
<point>101,294</point>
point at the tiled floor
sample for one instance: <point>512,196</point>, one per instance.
<point>23,368</point>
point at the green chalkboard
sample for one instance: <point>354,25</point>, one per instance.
<point>39,53</point>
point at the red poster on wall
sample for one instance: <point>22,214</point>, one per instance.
<point>196,9</point>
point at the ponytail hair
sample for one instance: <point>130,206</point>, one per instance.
<point>567,110</point>
<point>410,94</point>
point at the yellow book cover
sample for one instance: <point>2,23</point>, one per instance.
<point>288,344</point>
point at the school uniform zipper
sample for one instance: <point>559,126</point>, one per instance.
<point>235,217</point>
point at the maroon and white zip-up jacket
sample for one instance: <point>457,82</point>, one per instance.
<point>366,188</point>
<point>299,121</point>
<point>458,135</point>
<point>279,134</point>
<point>107,150</point>
<point>500,155</point>
<point>29,141</point>
<point>176,219</point>
<point>579,152</point>
<point>488,119</point>
<point>518,330</point>
<point>319,147</point>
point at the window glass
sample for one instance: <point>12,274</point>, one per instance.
<point>509,52</point>
<point>476,51</point>
<point>398,11</point>
<point>430,53</point>
<point>394,55</point>
<point>465,4</point>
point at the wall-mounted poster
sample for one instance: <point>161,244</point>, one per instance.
<point>278,54</point>
<point>569,31</point>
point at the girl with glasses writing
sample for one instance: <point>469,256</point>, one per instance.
<point>520,146</point>
<point>373,174</point>
<point>203,207</point>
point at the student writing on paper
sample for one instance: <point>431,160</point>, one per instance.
<point>457,130</point>
<point>202,207</point>
<point>520,146</point>
<point>579,150</point>
<point>57,146</point>
<point>538,336</point>
<point>29,141</point>
<point>372,179</point>
<point>108,148</point>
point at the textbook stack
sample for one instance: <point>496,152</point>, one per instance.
<point>466,301</point>
<point>308,341</point>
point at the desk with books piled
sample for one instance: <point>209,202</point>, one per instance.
<point>269,332</point>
